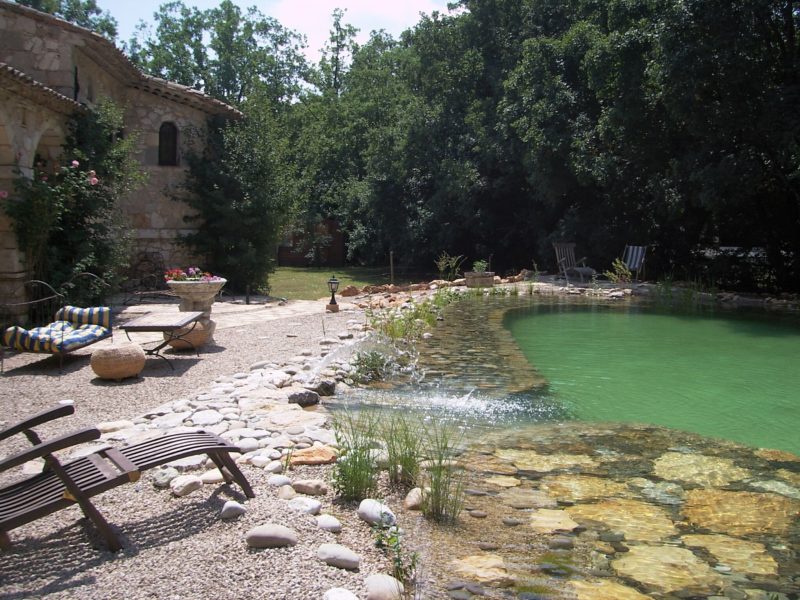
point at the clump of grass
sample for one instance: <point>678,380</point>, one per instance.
<point>401,434</point>
<point>371,365</point>
<point>443,496</point>
<point>355,473</point>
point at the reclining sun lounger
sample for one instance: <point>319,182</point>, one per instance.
<point>61,485</point>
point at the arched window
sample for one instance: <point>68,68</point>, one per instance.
<point>168,144</point>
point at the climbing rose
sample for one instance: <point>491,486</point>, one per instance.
<point>3,194</point>
<point>93,181</point>
<point>75,163</point>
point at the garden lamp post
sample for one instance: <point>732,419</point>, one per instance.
<point>333,285</point>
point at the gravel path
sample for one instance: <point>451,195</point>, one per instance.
<point>176,547</point>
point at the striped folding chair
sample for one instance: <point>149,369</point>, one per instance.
<point>633,257</point>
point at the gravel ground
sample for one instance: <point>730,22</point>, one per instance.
<point>174,547</point>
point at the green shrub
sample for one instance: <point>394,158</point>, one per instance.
<point>480,266</point>
<point>620,273</point>
<point>404,565</point>
<point>448,266</point>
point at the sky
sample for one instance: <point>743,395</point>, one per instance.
<point>309,17</point>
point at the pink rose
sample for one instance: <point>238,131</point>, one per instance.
<point>93,181</point>
<point>3,194</point>
<point>75,163</point>
<point>92,174</point>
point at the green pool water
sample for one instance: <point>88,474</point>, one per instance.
<point>728,376</point>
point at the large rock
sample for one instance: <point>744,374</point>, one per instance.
<point>546,520</point>
<point>413,500</point>
<point>310,487</point>
<point>271,535</point>
<point>383,587</point>
<point>523,498</point>
<point>740,513</point>
<point>376,513</point>
<point>338,556</point>
<point>699,469</point>
<point>232,509</point>
<point>316,455</point>
<point>669,570</point>
<point>580,488</point>
<point>329,523</point>
<point>183,485</point>
<point>639,521</point>
<point>310,506</point>
<point>528,460</point>
<point>748,558</point>
<point>488,569</point>
<point>304,398</point>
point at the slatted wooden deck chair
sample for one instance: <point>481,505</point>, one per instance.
<point>61,485</point>
<point>565,258</point>
<point>633,257</point>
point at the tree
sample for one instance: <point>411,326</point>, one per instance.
<point>84,13</point>
<point>222,51</point>
<point>237,184</point>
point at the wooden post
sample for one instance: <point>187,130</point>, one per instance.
<point>391,267</point>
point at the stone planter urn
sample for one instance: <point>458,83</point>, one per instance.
<point>198,296</point>
<point>479,279</point>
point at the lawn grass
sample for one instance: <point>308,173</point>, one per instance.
<point>309,283</point>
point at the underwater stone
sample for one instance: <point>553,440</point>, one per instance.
<point>578,488</point>
<point>669,569</point>
<point>637,520</point>
<point>740,513</point>
<point>488,569</point>
<point>707,471</point>
<point>748,558</point>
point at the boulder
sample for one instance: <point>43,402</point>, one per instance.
<point>304,398</point>
<point>339,556</point>
<point>375,512</point>
<point>271,535</point>
<point>383,587</point>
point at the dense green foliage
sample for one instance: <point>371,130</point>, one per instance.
<point>84,13</point>
<point>234,183</point>
<point>508,124</point>
<point>66,216</point>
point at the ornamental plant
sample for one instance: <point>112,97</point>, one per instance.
<point>40,203</point>
<point>190,274</point>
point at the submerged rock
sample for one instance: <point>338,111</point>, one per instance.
<point>579,488</point>
<point>748,558</point>
<point>637,520</point>
<point>669,570</point>
<point>488,569</point>
<point>529,460</point>
<point>740,513</point>
<point>706,471</point>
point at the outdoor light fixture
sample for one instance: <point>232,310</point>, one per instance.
<point>333,285</point>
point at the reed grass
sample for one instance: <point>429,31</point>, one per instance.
<point>401,434</point>
<point>443,496</point>
<point>355,473</point>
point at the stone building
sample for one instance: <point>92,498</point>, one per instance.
<point>48,70</point>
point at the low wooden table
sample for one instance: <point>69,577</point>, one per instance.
<point>169,323</point>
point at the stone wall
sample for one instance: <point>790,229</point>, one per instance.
<point>84,69</point>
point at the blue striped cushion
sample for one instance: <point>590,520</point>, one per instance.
<point>96,315</point>
<point>77,338</point>
<point>74,328</point>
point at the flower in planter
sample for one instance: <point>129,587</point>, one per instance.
<point>190,274</point>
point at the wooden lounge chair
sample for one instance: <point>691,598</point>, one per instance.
<point>61,485</point>
<point>565,258</point>
<point>633,257</point>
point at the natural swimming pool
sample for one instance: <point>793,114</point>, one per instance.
<point>729,375</point>
<point>564,499</point>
